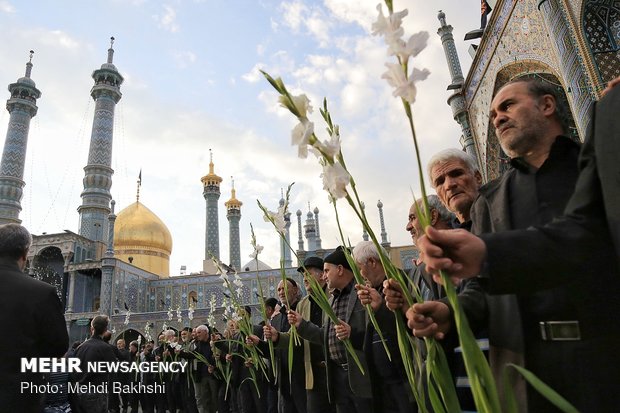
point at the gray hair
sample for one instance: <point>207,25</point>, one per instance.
<point>450,154</point>
<point>435,203</point>
<point>170,333</point>
<point>201,327</point>
<point>365,250</point>
<point>14,241</point>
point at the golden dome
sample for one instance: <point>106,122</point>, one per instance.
<point>142,239</point>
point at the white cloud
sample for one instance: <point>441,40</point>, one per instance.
<point>184,58</point>
<point>354,11</point>
<point>6,7</point>
<point>292,13</point>
<point>167,21</point>
<point>318,26</point>
<point>254,75</point>
<point>60,38</point>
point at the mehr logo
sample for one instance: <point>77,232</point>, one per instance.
<point>50,365</point>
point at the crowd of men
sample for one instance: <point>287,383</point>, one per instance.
<point>546,228</point>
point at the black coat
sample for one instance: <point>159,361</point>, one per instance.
<point>581,246</point>
<point>32,315</point>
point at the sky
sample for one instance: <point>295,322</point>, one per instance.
<point>192,84</point>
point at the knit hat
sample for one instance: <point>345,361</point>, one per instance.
<point>338,258</point>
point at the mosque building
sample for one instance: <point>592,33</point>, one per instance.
<point>119,263</point>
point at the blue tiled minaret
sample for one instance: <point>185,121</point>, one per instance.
<point>318,231</point>
<point>233,213</point>
<point>285,251</point>
<point>384,240</point>
<point>300,240</point>
<point>22,105</point>
<point>211,191</point>
<point>364,232</point>
<point>96,195</point>
<point>457,99</point>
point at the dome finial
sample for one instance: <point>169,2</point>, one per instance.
<point>111,50</point>
<point>211,161</point>
<point>139,185</point>
<point>29,65</point>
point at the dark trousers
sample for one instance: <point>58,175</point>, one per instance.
<point>346,401</point>
<point>317,397</point>
<point>293,399</point>
<point>395,397</point>
<point>584,372</point>
<point>188,394</point>
<point>272,398</point>
<point>249,398</point>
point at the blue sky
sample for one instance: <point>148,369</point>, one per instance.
<point>192,84</point>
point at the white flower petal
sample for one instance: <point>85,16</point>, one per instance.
<point>335,180</point>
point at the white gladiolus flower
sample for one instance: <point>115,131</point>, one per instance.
<point>411,48</point>
<point>301,104</point>
<point>301,136</point>
<point>403,87</point>
<point>389,27</point>
<point>257,250</point>
<point>329,148</point>
<point>335,180</point>
<point>277,218</point>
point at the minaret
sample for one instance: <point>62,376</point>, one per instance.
<point>22,105</point>
<point>233,213</point>
<point>211,192</point>
<point>457,100</point>
<point>107,268</point>
<point>96,195</point>
<point>384,241</point>
<point>300,241</point>
<point>364,232</point>
<point>310,230</point>
<point>318,232</point>
<point>285,251</point>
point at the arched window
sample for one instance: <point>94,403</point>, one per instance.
<point>192,299</point>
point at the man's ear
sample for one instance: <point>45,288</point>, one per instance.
<point>548,105</point>
<point>478,176</point>
<point>434,217</point>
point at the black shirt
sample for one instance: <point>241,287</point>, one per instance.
<point>536,197</point>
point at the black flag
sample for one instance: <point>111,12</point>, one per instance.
<point>485,9</point>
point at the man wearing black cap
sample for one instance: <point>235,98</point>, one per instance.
<point>291,389</point>
<point>348,388</point>
<point>314,359</point>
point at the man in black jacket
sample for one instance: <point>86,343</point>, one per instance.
<point>95,400</point>
<point>569,336</point>
<point>31,310</point>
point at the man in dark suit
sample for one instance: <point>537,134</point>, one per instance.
<point>317,400</point>
<point>31,310</point>
<point>349,389</point>
<point>563,256</point>
<point>92,350</point>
